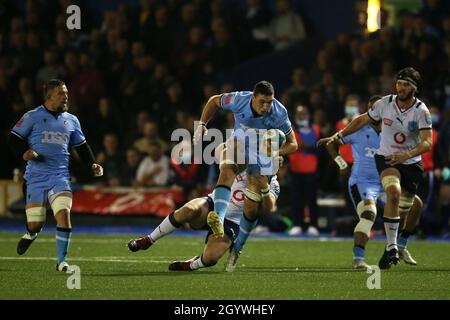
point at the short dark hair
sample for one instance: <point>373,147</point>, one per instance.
<point>265,88</point>
<point>50,85</point>
<point>411,75</point>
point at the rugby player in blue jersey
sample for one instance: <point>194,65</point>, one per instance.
<point>44,137</point>
<point>256,111</point>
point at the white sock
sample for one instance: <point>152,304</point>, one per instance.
<point>197,264</point>
<point>164,228</point>
<point>391,227</point>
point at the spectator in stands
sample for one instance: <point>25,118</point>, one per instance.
<point>129,170</point>
<point>110,158</point>
<point>150,135</point>
<point>154,169</point>
<point>185,170</point>
<point>443,149</point>
<point>303,177</point>
<point>287,27</point>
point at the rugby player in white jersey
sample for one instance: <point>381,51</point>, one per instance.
<point>405,135</point>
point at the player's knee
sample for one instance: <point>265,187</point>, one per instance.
<point>36,215</point>
<point>210,259</point>
<point>189,211</point>
<point>405,204</point>
<point>62,205</point>
<point>367,209</point>
<point>391,185</point>
<point>35,227</point>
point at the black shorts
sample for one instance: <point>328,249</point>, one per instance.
<point>230,228</point>
<point>411,175</point>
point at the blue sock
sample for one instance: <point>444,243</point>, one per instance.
<point>359,252</point>
<point>62,242</point>
<point>245,227</point>
<point>222,196</point>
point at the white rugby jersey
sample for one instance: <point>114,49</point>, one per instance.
<point>236,205</point>
<point>400,128</point>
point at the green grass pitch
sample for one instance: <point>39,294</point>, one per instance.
<point>269,269</point>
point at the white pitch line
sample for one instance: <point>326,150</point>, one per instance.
<point>101,259</point>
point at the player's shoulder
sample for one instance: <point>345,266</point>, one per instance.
<point>279,108</point>
<point>420,106</point>
<point>70,116</point>
<point>384,101</point>
<point>34,113</point>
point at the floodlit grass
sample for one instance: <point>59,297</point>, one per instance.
<point>268,269</point>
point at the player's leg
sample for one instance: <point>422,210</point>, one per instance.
<point>61,204</point>
<point>194,212</point>
<point>366,211</point>
<point>390,179</point>
<point>214,249</point>
<point>35,210</point>
<point>229,168</point>
<point>411,221</point>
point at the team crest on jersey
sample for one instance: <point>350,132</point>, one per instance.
<point>413,126</point>
<point>428,118</point>
<point>387,121</point>
<point>66,122</point>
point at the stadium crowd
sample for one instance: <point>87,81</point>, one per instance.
<point>148,69</point>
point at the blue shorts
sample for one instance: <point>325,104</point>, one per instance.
<point>364,191</point>
<point>40,187</point>
<point>257,162</point>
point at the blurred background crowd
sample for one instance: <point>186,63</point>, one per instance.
<point>137,70</point>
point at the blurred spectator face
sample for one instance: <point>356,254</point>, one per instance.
<point>61,38</point>
<point>122,47</point>
<point>217,24</point>
<point>302,117</point>
<point>16,25</point>
<point>320,117</point>
<point>154,152</point>
<point>328,79</point>
<point>282,6</point>
<point>49,57</point>
<point>144,63</point>
<point>161,16</point>
<point>160,72</point>
<point>298,76</point>
<point>352,106</point>
<point>103,107</point>
<point>18,107</point>
<point>85,61</point>
<point>358,66</point>
<point>343,39</point>
<point>373,88</point>
<point>174,92</point>
<point>17,40</point>
<point>28,100</point>
<point>196,36</point>
<point>150,130</point>
<point>141,119</point>
<point>60,21</point>
<point>32,40</point>
<point>70,60</point>
<point>137,49</point>
<point>110,143</point>
<point>387,69</point>
<point>188,13</point>
<point>315,98</point>
<point>132,157</point>
<point>446,24</point>
<point>24,85</point>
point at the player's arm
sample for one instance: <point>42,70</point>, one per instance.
<point>87,156</point>
<point>333,150</point>
<point>425,145</point>
<point>20,146</point>
<point>208,112</point>
<point>290,145</point>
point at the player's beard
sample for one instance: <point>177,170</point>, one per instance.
<point>407,97</point>
<point>63,107</point>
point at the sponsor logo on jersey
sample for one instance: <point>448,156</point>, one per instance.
<point>399,137</point>
<point>55,137</point>
<point>428,118</point>
<point>387,121</point>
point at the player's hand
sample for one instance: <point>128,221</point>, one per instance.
<point>397,158</point>
<point>280,161</point>
<point>324,141</point>
<point>97,169</point>
<point>30,155</point>
<point>199,133</point>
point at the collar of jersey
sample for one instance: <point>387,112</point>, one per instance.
<point>403,111</point>
<point>53,113</point>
